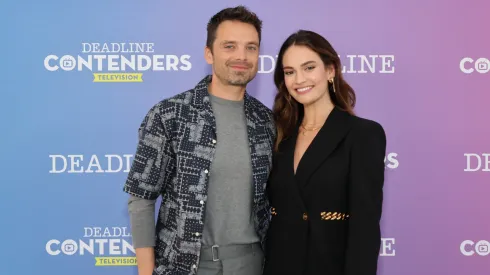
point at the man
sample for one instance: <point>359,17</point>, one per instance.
<point>208,152</point>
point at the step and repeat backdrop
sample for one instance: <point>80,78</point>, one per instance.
<point>78,77</point>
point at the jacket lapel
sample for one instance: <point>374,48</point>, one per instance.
<point>289,148</point>
<point>202,102</point>
<point>330,135</point>
<point>252,122</point>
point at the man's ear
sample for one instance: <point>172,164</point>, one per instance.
<point>208,55</point>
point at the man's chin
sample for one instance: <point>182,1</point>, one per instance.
<point>239,81</point>
<point>236,82</point>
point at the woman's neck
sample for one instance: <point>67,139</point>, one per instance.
<point>316,114</point>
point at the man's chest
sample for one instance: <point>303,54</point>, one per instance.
<point>199,142</point>
<point>198,135</point>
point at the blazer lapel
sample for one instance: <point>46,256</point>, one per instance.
<point>330,135</point>
<point>289,147</point>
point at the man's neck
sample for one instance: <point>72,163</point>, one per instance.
<point>229,92</point>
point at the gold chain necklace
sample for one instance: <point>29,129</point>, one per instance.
<point>310,129</point>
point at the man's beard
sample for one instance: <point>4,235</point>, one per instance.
<point>238,78</point>
<point>235,78</point>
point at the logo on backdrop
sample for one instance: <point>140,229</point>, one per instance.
<point>109,163</point>
<point>111,246</point>
<point>118,62</point>
<point>387,247</point>
<point>469,65</point>
<point>113,163</point>
<point>477,162</point>
<point>472,248</point>
<point>352,64</point>
<point>391,161</point>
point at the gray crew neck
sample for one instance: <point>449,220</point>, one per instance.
<point>228,102</point>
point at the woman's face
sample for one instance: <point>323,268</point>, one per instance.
<point>305,75</point>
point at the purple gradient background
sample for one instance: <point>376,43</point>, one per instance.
<point>431,111</point>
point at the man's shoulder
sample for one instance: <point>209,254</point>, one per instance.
<point>169,105</point>
<point>193,97</point>
<point>260,108</point>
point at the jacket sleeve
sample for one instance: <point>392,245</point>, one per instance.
<point>154,161</point>
<point>365,199</point>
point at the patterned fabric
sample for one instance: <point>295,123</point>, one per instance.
<point>177,140</point>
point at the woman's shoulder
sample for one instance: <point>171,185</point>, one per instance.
<point>365,127</point>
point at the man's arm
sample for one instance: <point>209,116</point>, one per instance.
<point>145,256</point>
<point>152,169</point>
<point>142,220</point>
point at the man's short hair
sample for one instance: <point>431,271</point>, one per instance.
<point>239,13</point>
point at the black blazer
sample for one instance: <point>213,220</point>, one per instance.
<point>326,218</point>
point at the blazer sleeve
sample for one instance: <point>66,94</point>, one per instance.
<point>365,198</point>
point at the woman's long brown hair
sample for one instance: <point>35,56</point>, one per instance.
<point>287,111</point>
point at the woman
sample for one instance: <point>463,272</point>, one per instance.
<point>326,186</point>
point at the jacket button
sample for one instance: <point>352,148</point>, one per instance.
<point>305,216</point>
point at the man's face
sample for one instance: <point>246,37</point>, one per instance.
<point>235,53</point>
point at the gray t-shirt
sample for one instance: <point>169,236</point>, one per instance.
<point>228,218</point>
